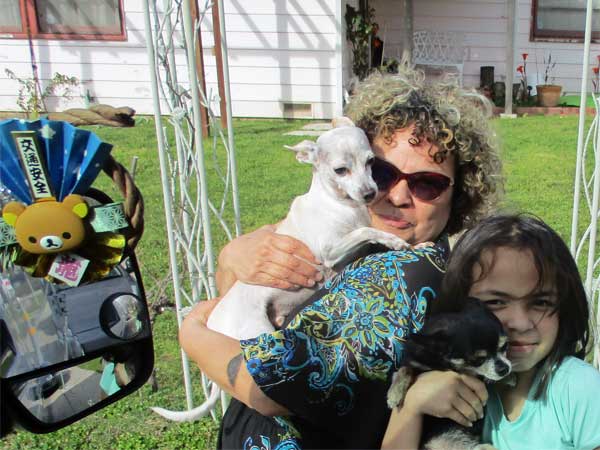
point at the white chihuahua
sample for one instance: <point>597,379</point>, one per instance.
<point>331,219</point>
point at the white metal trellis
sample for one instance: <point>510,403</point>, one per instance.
<point>171,32</point>
<point>588,180</point>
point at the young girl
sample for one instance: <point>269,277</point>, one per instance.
<point>525,274</point>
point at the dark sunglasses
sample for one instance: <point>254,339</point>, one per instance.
<point>426,186</point>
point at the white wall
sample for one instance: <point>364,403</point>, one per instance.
<point>279,51</point>
<point>114,72</point>
<point>484,25</point>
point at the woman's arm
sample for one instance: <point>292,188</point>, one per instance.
<point>269,259</point>
<point>220,358</point>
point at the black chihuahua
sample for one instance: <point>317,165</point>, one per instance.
<point>472,342</point>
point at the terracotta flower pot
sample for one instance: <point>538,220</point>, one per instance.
<point>548,94</point>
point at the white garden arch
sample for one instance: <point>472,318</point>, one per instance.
<point>170,31</point>
<point>587,179</point>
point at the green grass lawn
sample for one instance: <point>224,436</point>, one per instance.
<point>575,100</point>
<point>539,159</point>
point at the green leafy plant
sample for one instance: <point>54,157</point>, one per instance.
<point>360,27</point>
<point>32,99</point>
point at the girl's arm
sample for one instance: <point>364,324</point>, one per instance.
<point>266,258</point>
<point>220,358</point>
<point>404,429</point>
<point>449,395</point>
<point>440,394</point>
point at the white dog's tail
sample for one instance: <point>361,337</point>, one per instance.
<point>192,414</point>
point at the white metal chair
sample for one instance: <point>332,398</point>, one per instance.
<point>443,49</point>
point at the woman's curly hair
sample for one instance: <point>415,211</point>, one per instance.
<point>445,114</point>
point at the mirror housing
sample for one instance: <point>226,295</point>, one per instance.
<point>66,352</point>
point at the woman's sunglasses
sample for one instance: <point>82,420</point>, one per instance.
<point>426,186</point>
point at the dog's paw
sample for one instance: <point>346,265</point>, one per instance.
<point>401,381</point>
<point>391,241</point>
<point>424,245</point>
<point>398,244</point>
<point>484,447</point>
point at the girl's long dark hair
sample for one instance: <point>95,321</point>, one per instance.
<point>555,267</point>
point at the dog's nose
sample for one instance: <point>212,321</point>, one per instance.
<point>502,369</point>
<point>369,196</point>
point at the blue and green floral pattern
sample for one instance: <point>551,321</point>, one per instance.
<point>351,337</point>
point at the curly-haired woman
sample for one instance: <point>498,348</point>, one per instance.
<point>320,381</point>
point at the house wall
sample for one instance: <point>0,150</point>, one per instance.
<point>115,73</point>
<point>484,24</point>
<point>279,52</point>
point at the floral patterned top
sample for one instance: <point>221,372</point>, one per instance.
<point>332,365</point>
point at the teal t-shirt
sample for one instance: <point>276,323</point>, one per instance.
<point>108,380</point>
<point>568,418</point>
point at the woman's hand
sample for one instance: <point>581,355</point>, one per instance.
<point>201,311</point>
<point>266,258</point>
<point>447,394</point>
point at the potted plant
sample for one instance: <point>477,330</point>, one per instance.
<point>548,94</point>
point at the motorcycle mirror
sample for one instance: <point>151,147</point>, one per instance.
<point>66,352</point>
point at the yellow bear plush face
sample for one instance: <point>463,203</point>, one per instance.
<point>48,226</point>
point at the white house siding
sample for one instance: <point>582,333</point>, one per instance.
<point>115,73</point>
<point>280,51</point>
<point>484,24</point>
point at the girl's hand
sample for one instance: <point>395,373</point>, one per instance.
<point>447,395</point>
<point>266,258</point>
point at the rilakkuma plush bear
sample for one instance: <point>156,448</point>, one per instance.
<point>48,226</point>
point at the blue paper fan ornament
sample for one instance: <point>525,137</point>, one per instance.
<point>73,157</point>
<point>48,166</point>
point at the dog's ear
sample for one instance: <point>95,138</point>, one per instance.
<point>306,151</point>
<point>436,335</point>
<point>438,340</point>
<point>427,351</point>
<point>342,121</point>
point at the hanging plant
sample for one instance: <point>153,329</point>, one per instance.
<point>360,27</point>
